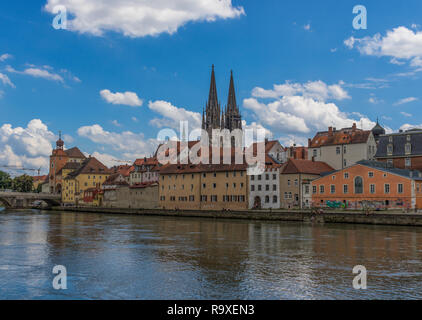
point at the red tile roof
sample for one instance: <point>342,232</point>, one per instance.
<point>306,166</point>
<point>339,137</point>
<point>75,153</point>
<point>90,166</point>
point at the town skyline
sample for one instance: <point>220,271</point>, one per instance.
<point>110,91</point>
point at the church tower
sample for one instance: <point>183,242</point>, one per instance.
<point>215,118</point>
<point>232,119</point>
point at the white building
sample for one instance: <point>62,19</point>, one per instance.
<point>264,189</point>
<point>342,148</point>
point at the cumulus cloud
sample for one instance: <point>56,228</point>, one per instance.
<point>143,17</point>
<point>126,98</point>
<point>405,114</point>
<point>405,100</point>
<point>127,141</point>
<point>29,147</point>
<point>313,89</point>
<point>299,110</point>
<point>172,115</point>
<point>37,73</point>
<point>400,44</point>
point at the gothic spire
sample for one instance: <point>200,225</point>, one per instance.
<point>213,98</point>
<point>231,101</point>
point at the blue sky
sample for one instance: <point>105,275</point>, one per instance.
<point>325,71</point>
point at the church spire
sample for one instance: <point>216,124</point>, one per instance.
<point>213,97</point>
<point>231,101</point>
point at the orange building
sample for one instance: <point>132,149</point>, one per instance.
<point>369,183</point>
<point>58,159</point>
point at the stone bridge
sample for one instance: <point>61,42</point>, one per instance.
<point>17,200</point>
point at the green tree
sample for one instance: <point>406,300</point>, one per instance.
<point>5,181</point>
<point>23,183</point>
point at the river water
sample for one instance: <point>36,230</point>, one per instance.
<point>135,257</point>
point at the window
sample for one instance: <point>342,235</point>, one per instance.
<point>289,183</point>
<point>259,178</point>
<point>408,138</point>
<point>372,188</point>
<point>204,175</point>
<point>338,150</point>
<point>274,187</point>
<point>344,149</point>
<point>215,175</point>
<point>274,177</point>
<point>390,149</point>
<point>315,153</point>
<point>267,199</point>
<point>400,188</point>
<point>306,189</point>
<point>346,189</point>
<point>267,177</point>
<point>234,185</point>
<point>314,189</point>
<point>346,175</point>
<point>345,163</point>
<point>333,177</point>
<point>333,189</point>
<point>252,188</point>
<point>296,182</point>
<point>321,189</point>
<point>408,162</point>
<point>267,187</point>
<point>386,188</point>
<point>191,198</point>
<point>371,174</point>
<point>259,188</point>
<point>253,178</point>
<point>214,185</point>
<point>358,185</point>
<point>204,186</point>
<point>408,148</point>
<point>390,162</point>
<point>275,199</point>
<point>390,139</point>
<point>213,198</point>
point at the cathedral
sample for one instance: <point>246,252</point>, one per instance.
<point>215,118</point>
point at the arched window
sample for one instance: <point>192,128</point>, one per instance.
<point>358,185</point>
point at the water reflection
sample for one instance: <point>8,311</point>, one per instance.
<point>131,257</point>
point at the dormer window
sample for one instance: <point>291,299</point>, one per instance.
<point>408,137</point>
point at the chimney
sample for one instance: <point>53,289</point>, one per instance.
<point>354,127</point>
<point>309,142</point>
<point>330,131</point>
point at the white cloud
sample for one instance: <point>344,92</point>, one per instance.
<point>126,98</point>
<point>313,89</point>
<point>143,17</point>
<point>135,119</point>
<point>116,123</point>
<point>5,56</point>
<point>299,115</point>
<point>37,73</point>
<point>399,44</point>
<point>406,114</point>
<point>307,27</point>
<point>405,100</point>
<point>173,115</point>
<point>5,80</point>
<point>29,147</point>
<point>408,126</point>
<point>127,141</point>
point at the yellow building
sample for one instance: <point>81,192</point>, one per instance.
<point>203,187</point>
<point>80,182</point>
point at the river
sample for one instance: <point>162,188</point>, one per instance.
<point>137,257</point>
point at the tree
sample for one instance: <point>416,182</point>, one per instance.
<point>23,183</point>
<point>5,181</point>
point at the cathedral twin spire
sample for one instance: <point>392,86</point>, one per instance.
<point>213,117</point>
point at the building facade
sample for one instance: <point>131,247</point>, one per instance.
<point>91,174</point>
<point>58,159</point>
<point>295,181</point>
<point>203,187</point>
<point>145,170</point>
<point>401,150</point>
<point>342,148</point>
<point>369,183</point>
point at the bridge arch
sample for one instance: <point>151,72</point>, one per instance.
<point>5,202</point>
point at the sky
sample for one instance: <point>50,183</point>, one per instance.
<point>123,70</point>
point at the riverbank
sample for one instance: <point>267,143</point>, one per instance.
<point>376,218</point>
